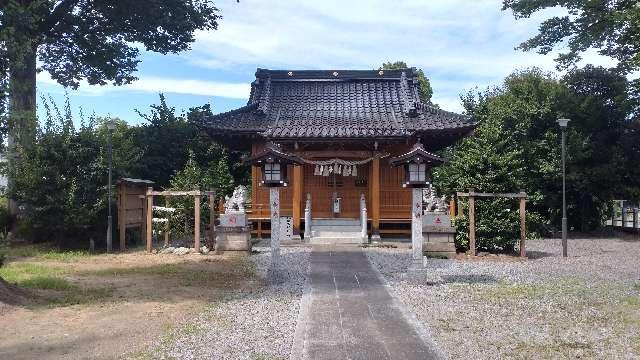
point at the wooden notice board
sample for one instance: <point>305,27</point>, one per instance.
<point>131,206</point>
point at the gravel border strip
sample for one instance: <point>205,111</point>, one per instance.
<point>299,338</point>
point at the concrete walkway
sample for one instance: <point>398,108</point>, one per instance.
<point>350,315</point>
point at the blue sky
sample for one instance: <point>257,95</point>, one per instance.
<point>460,44</point>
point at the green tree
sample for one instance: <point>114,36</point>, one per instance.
<point>516,147</point>
<point>62,185</point>
<point>612,26</point>
<point>424,86</point>
<point>165,139</point>
<point>213,174</point>
<point>605,160</point>
<point>96,41</point>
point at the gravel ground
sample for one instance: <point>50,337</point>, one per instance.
<point>259,324</point>
<point>585,306</point>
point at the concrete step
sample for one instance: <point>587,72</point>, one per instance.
<point>334,233</point>
<point>344,228</point>
<point>335,222</point>
<point>336,240</point>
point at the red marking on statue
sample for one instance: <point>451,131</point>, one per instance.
<point>232,220</point>
<point>438,221</point>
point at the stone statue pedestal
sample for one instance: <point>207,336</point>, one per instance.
<point>438,236</point>
<point>233,234</point>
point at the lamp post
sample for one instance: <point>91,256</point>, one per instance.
<point>111,125</point>
<point>273,164</point>
<point>416,162</point>
<point>563,126</point>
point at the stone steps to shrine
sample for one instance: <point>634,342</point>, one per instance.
<point>336,231</point>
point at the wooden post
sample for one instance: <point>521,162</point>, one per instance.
<point>297,198</point>
<point>122,216</point>
<point>375,198</point>
<point>149,220</point>
<point>212,218</point>
<point>166,233</point>
<point>523,224</point>
<point>196,222</point>
<point>221,205</point>
<point>472,223</point>
<point>452,208</point>
<point>259,221</point>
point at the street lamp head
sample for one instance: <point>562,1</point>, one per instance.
<point>111,125</point>
<point>563,122</point>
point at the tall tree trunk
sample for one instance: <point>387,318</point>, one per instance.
<point>22,108</point>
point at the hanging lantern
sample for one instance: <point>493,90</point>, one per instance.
<point>416,163</point>
<point>273,163</point>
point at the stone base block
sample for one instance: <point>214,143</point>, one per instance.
<point>233,241</point>
<point>233,220</point>
<point>439,243</point>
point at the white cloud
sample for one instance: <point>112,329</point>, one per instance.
<point>166,85</point>
<point>459,43</point>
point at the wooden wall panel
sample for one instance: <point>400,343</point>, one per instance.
<point>260,197</point>
<point>395,201</point>
<point>321,190</point>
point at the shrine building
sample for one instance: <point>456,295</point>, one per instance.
<point>344,126</point>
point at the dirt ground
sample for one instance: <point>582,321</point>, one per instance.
<point>110,306</point>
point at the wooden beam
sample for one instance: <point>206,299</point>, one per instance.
<point>375,196</point>
<point>297,197</point>
<point>149,222</point>
<point>503,195</point>
<point>472,224</point>
<point>122,216</point>
<point>175,193</point>
<point>196,223</point>
<point>523,226</point>
<point>341,154</point>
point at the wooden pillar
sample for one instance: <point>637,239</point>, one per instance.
<point>375,198</point>
<point>259,221</point>
<point>523,224</point>
<point>166,232</point>
<point>297,198</point>
<point>452,208</point>
<point>212,218</point>
<point>122,216</point>
<point>196,222</point>
<point>221,205</point>
<point>149,219</point>
<point>472,223</point>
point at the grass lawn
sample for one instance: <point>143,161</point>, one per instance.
<point>106,306</point>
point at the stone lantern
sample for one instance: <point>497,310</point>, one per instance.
<point>416,163</point>
<point>273,164</point>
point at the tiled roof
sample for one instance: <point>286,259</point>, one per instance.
<point>418,154</point>
<point>337,104</point>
